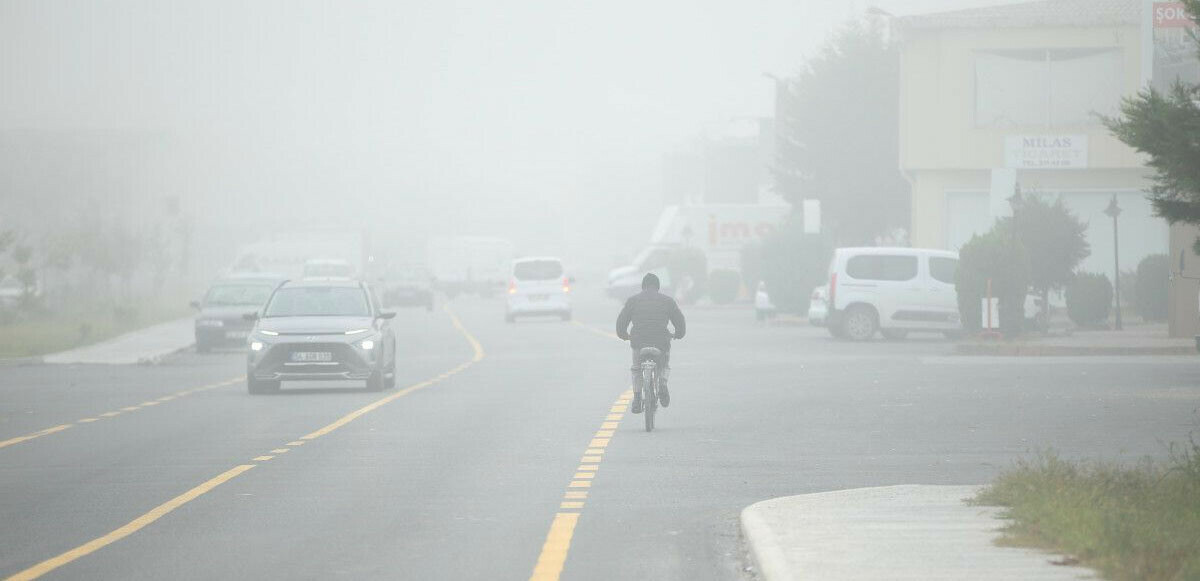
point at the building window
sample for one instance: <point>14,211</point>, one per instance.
<point>1046,87</point>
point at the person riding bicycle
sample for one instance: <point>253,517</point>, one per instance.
<point>649,312</point>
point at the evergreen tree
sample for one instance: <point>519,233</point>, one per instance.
<point>1166,127</point>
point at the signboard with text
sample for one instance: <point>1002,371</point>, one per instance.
<point>1046,151</point>
<point>1172,47</point>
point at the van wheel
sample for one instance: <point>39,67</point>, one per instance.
<point>894,334</point>
<point>859,323</point>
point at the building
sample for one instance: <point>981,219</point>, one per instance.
<point>996,98</point>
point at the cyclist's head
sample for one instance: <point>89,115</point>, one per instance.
<point>650,281</point>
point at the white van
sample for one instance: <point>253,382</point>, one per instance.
<point>538,286</point>
<point>892,290</point>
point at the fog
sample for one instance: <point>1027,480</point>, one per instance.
<point>504,119</point>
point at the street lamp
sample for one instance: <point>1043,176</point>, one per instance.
<point>1114,210</point>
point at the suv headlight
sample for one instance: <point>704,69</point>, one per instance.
<point>367,344</point>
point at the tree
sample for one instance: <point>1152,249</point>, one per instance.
<point>839,138</point>
<point>1164,127</point>
<point>1055,239</point>
<point>1000,257</point>
<point>792,264</point>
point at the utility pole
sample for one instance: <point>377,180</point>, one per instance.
<point>1114,210</point>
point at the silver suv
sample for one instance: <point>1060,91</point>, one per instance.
<point>321,329</point>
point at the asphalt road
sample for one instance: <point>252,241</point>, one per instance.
<point>174,472</point>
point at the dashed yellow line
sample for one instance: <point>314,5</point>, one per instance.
<point>165,508</point>
<point>110,414</point>
<point>38,434</point>
<point>553,557</point>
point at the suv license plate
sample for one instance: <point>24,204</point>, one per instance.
<point>311,356</point>
<point>536,298</point>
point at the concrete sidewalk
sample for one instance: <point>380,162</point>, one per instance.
<point>143,346</point>
<point>893,532</point>
<point>1133,340</point>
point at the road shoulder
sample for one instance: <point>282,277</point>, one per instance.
<point>148,345</point>
<point>891,532</point>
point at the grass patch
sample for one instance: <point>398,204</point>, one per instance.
<point>51,333</point>
<point>1127,522</point>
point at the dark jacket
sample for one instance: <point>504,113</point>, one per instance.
<point>649,311</point>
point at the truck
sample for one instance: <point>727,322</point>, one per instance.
<point>721,231</point>
<point>469,264</point>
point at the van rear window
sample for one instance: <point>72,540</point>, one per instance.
<point>943,269</point>
<point>538,270</point>
<point>882,267</point>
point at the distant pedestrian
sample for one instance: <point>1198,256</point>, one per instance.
<point>763,308</point>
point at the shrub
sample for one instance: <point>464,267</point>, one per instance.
<point>1150,294</point>
<point>1089,299</point>
<point>792,264</point>
<point>999,257</point>
<point>723,285</point>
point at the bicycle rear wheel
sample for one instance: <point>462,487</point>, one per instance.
<point>649,397</point>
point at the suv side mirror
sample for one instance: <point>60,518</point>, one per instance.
<point>250,316</point>
<point>195,305</point>
<point>387,314</point>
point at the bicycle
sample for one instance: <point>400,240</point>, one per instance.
<point>649,357</point>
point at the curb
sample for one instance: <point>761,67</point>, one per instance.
<point>766,556</point>
<point>158,358</point>
<point>1035,350</point>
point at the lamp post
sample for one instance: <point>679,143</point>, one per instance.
<point>1114,210</point>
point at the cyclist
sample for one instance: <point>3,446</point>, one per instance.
<point>649,312</point>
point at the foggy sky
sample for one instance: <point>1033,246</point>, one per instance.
<point>410,107</point>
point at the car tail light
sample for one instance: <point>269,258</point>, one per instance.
<point>566,283</point>
<point>512,287</point>
<point>833,291</point>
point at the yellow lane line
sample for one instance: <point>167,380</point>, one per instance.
<point>591,329</point>
<point>553,557</point>
<point>554,552</point>
<point>88,420</point>
<point>27,437</point>
<point>162,510</point>
<point>129,528</point>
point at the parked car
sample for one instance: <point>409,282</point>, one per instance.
<point>538,286</point>
<point>818,306</point>
<point>328,268</point>
<point>326,329</point>
<point>892,290</point>
<point>219,317</point>
<point>407,286</point>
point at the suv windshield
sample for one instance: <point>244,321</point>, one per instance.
<point>318,301</point>
<point>537,270</point>
<point>238,295</point>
